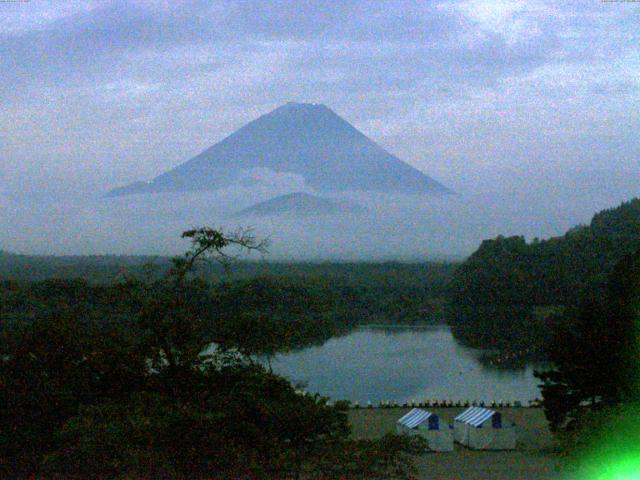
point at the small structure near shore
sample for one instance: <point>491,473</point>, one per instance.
<point>483,429</point>
<point>439,437</point>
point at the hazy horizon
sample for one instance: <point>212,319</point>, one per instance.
<point>527,109</point>
<point>401,227</point>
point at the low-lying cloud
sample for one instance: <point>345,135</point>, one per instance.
<point>409,227</point>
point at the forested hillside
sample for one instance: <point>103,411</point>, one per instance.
<point>120,380</point>
<point>501,295</point>
<point>373,292</point>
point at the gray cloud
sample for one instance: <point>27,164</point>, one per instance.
<point>98,94</point>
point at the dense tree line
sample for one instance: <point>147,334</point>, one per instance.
<point>595,349</point>
<point>591,395</point>
<point>504,294</point>
<point>118,381</point>
<point>388,292</point>
<point>263,314</point>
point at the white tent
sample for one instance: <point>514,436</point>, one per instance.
<point>426,424</point>
<point>482,429</point>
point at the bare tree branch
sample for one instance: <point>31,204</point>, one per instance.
<point>209,244</point>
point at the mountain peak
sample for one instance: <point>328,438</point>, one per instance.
<point>303,109</point>
<point>303,105</point>
<point>306,139</point>
<point>301,204</point>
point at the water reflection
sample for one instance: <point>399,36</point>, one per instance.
<point>403,364</point>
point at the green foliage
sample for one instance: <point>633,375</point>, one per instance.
<point>391,457</point>
<point>50,365</point>
<point>496,294</point>
<point>595,350</point>
<point>265,315</point>
<point>235,421</point>
<point>112,381</point>
<point>387,293</point>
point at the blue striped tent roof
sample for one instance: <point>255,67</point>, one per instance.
<point>414,418</point>
<point>475,416</point>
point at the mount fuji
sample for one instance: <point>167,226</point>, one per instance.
<point>303,139</point>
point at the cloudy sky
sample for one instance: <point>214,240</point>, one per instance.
<point>97,94</point>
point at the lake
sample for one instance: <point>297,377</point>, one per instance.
<point>403,364</point>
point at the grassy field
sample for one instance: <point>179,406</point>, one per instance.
<point>533,459</point>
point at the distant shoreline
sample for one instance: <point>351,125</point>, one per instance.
<point>423,325</point>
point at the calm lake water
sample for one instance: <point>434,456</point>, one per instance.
<point>403,364</point>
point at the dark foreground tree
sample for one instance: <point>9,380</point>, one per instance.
<point>116,383</point>
<point>595,351</point>
<point>264,316</point>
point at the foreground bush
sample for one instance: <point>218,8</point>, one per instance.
<point>114,383</point>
